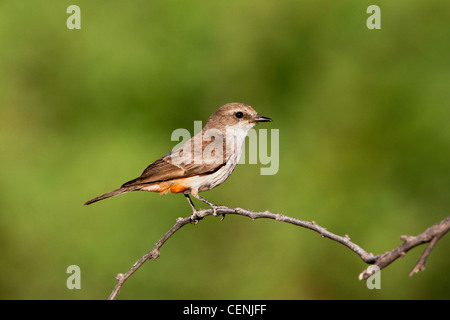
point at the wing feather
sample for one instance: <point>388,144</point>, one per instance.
<point>186,161</point>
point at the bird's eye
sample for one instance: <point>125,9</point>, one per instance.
<point>239,114</point>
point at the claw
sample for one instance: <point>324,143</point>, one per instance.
<point>194,218</point>
<point>215,214</point>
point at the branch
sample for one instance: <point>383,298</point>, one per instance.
<point>432,235</point>
<point>153,254</point>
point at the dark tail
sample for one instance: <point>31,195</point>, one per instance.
<point>112,194</point>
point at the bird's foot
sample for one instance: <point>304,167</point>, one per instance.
<point>195,218</point>
<point>215,211</point>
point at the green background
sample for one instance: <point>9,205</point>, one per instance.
<point>363,118</point>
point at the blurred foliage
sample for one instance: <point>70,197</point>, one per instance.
<point>363,117</point>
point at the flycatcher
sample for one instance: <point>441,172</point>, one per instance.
<point>201,163</point>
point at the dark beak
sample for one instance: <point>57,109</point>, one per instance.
<point>261,119</point>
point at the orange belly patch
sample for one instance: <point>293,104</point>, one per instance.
<point>177,188</point>
<point>174,186</point>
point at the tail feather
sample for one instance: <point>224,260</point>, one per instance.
<point>111,194</point>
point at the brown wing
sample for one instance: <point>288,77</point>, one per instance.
<point>160,170</point>
<point>188,160</point>
<point>204,153</point>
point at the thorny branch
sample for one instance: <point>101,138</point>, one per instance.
<point>430,236</point>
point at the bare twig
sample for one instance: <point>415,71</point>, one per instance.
<point>153,254</point>
<point>432,235</point>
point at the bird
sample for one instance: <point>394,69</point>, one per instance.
<point>201,163</point>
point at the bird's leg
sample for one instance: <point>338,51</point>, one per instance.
<point>194,217</point>
<point>212,205</point>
